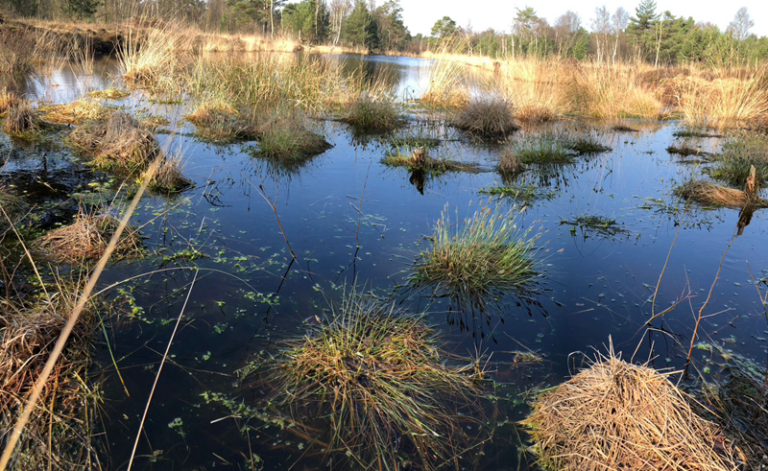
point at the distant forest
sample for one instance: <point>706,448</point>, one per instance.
<point>646,34</point>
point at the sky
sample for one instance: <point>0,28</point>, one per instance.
<point>421,15</point>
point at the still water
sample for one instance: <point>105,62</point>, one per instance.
<point>248,297</point>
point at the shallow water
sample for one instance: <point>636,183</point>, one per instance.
<point>248,297</point>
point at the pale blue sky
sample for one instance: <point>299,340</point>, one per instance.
<point>420,15</point>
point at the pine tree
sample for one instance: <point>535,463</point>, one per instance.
<point>360,27</point>
<point>82,8</point>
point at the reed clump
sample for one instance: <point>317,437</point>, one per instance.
<point>8,100</point>
<point>739,154</point>
<point>169,177</point>
<point>287,138</point>
<point>615,415</point>
<point>219,122</point>
<point>545,149</point>
<point>481,258</point>
<point>419,160</point>
<point>367,114</point>
<point>709,194</point>
<point>59,429</point>
<point>87,238</point>
<point>487,118</point>
<point>76,112</point>
<point>509,163</point>
<point>120,143</point>
<point>375,372</point>
<point>22,120</point>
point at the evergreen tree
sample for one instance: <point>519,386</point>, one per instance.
<point>82,8</point>
<point>360,27</point>
<point>308,20</point>
<point>392,33</point>
<point>642,29</point>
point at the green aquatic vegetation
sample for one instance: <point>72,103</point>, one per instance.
<point>546,149</point>
<point>738,155</point>
<point>414,141</point>
<point>599,225</point>
<point>427,164</point>
<point>484,256</point>
<point>376,374</point>
<point>367,114</point>
<point>585,144</point>
<point>696,133</point>
<point>287,139</point>
<point>526,193</point>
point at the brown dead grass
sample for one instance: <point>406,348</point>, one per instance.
<point>615,415</point>
<point>76,112</point>
<point>86,239</point>
<point>510,163</point>
<point>169,177</point>
<point>8,100</point>
<point>709,194</point>
<point>21,119</point>
<point>220,122</point>
<point>487,118</point>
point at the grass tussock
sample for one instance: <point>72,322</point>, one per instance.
<point>287,138</point>
<point>420,161</point>
<point>684,150</point>
<point>60,427</point>
<point>22,120</point>
<point>483,257</point>
<point>169,177</point>
<point>487,118</point>
<point>738,155</point>
<point>615,415</point>
<point>109,94</point>
<point>586,144</point>
<point>220,122</point>
<point>526,194</point>
<point>8,100</point>
<point>149,56</point>
<point>545,149</point>
<point>376,374</point>
<point>76,112</point>
<point>120,143</point>
<point>509,163</point>
<point>86,239</point>
<point>367,114</point>
<point>709,194</point>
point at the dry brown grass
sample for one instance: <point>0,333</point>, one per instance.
<point>487,118</point>
<point>120,143</point>
<point>169,177</point>
<point>76,112</point>
<point>220,122</point>
<point>615,415</point>
<point>21,120</point>
<point>510,163</point>
<point>8,100</point>
<point>27,336</point>
<point>709,194</point>
<point>86,239</point>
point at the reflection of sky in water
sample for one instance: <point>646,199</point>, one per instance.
<point>595,287</point>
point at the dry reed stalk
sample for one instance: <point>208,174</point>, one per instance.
<point>615,415</point>
<point>86,239</point>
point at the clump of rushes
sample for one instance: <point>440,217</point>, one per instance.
<point>8,100</point>
<point>376,374</point>
<point>546,149</point>
<point>709,194</point>
<point>219,122</point>
<point>27,336</point>
<point>634,417</point>
<point>169,177</point>
<point>86,239</point>
<point>484,257</point>
<point>684,150</point>
<point>119,144</point>
<point>109,94</point>
<point>21,120</point>
<point>486,118</point>
<point>286,138</point>
<point>420,161</point>
<point>738,155</point>
<point>585,144</point>
<point>523,193</point>
<point>367,114</point>
<point>509,163</point>
<point>76,112</point>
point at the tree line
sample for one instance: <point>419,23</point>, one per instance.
<point>648,35</point>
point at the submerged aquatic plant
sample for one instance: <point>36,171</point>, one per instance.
<point>376,374</point>
<point>419,160</point>
<point>483,257</point>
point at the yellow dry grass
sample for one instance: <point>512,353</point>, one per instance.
<point>615,415</point>
<point>76,112</point>
<point>709,194</point>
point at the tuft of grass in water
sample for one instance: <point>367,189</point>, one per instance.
<point>427,164</point>
<point>22,121</point>
<point>481,258</point>
<point>523,193</point>
<point>76,112</point>
<point>169,177</point>
<point>509,163</point>
<point>545,149</point>
<point>599,225</point>
<point>709,194</point>
<point>109,94</point>
<point>367,114</point>
<point>149,57</point>
<point>219,122</point>
<point>286,138</point>
<point>376,374</point>
<point>738,155</point>
<point>586,144</point>
<point>8,100</point>
<point>486,118</point>
<point>119,144</point>
<point>86,239</point>
<point>684,150</point>
<point>694,133</point>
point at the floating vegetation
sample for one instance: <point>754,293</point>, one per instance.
<point>684,150</point>
<point>87,238</point>
<point>419,160</point>
<point>76,112</point>
<point>119,144</point>
<point>288,139</point>
<point>523,193</point>
<point>484,257</point>
<point>22,121</point>
<point>585,144</point>
<point>372,115</point>
<point>738,155</point>
<point>414,141</point>
<point>487,118</point>
<point>27,337</point>
<point>709,194</point>
<point>169,177</point>
<point>376,374</point>
<point>109,94</point>
<point>220,122</point>
<point>599,225</point>
<point>615,415</point>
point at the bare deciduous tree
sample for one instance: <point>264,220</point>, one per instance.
<point>741,24</point>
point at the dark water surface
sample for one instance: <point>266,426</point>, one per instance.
<point>595,286</point>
